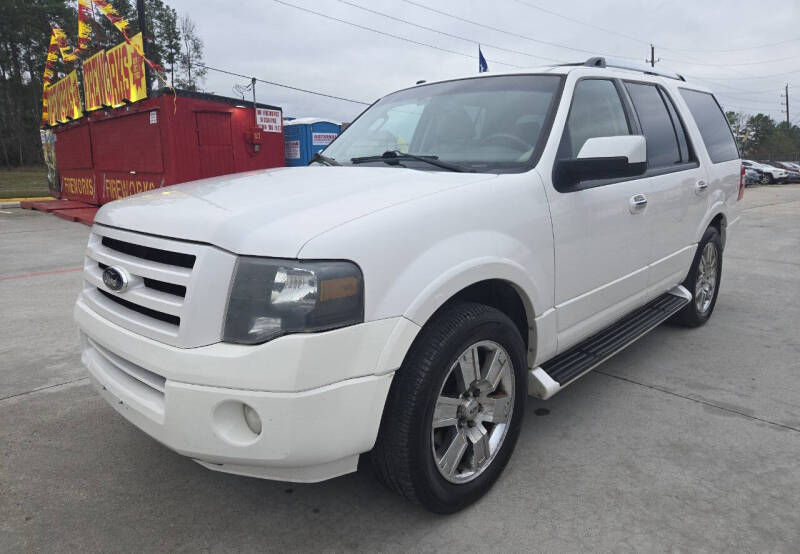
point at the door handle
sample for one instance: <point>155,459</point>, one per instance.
<point>700,186</point>
<point>637,203</point>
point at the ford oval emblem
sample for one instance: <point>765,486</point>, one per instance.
<point>115,278</point>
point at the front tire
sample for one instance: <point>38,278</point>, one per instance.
<point>703,281</point>
<point>454,410</point>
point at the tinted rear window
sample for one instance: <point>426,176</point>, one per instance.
<point>713,125</point>
<point>662,140</point>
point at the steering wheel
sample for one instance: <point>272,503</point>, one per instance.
<point>506,138</point>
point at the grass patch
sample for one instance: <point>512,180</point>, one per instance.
<point>23,182</point>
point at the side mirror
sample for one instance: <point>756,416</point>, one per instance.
<point>604,158</point>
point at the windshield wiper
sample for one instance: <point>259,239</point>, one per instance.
<point>394,156</point>
<point>323,159</point>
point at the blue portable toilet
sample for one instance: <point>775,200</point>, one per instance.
<point>305,136</point>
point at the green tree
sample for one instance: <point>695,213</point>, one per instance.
<point>762,128</point>
<point>25,27</point>
<point>162,22</point>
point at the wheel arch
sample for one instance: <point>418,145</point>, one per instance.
<point>501,285</point>
<point>716,218</point>
<point>720,223</point>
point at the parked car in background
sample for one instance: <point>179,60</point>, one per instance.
<point>751,176</point>
<point>769,174</point>
<point>793,172</point>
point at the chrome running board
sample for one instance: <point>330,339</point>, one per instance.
<point>559,372</point>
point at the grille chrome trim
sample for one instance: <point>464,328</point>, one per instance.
<point>138,308</point>
<point>188,321</point>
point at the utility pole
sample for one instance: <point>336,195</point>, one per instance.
<point>143,29</point>
<point>787,103</point>
<point>652,61</point>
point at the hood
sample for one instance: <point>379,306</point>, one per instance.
<point>274,212</point>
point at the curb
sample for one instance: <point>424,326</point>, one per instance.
<point>26,199</point>
<point>15,202</point>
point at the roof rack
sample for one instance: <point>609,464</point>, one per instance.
<point>602,61</point>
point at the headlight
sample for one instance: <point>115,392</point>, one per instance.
<point>270,298</point>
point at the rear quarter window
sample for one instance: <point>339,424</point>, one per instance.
<point>713,125</point>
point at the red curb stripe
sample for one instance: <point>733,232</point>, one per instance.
<point>40,273</point>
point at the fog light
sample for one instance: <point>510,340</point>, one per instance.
<point>252,419</point>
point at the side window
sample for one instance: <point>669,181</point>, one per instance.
<point>713,125</point>
<point>596,111</point>
<point>683,138</point>
<point>663,148</point>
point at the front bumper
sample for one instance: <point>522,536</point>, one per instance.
<point>319,397</point>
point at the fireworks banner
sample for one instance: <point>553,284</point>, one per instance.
<point>96,89</point>
<point>113,16</point>
<point>84,26</point>
<point>126,77</point>
<point>111,79</point>
<point>52,58</point>
<point>63,100</point>
<point>67,53</point>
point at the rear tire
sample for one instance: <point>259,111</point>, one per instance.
<point>765,179</point>
<point>443,442</point>
<point>703,281</point>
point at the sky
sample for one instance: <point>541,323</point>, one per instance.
<point>745,51</point>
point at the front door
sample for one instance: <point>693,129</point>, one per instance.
<point>215,143</point>
<point>600,230</point>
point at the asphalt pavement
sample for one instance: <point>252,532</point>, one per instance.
<point>687,441</point>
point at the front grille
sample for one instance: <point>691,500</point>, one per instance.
<point>155,314</point>
<point>169,288</point>
<point>176,290</point>
<point>151,254</point>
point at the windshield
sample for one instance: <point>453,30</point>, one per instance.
<point>489,124</point>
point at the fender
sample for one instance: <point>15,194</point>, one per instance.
<point>717,208</point>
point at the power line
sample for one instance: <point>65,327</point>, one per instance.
<point>481,42</point>
<point>771,76</point>
<point>726,50</point>
<point>226,72</point>
<point>527,37</point>
<point>406,39</point>
<point>732,64</point>
<point>612,31</point>
<point>592,25</point>
<point>505,31</point>
<point>640,40</point>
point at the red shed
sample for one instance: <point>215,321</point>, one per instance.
<point>164,140</point>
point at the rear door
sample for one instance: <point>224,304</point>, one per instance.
<point>677,187</point>
<point>720,157</point>
<point>601,242</point>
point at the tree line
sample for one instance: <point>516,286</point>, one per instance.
<point>759,137</point>
<point>25,27</point>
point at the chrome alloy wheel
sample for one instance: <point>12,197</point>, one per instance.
<point>706,282</point>
<point>473,412</point>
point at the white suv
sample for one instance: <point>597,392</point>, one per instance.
<point>767,173</point>
<point>462,244</point>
